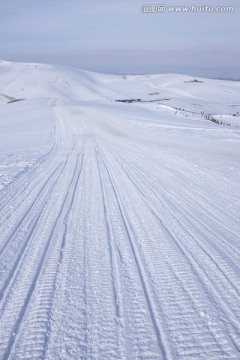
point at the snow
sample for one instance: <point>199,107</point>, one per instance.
<point>119,225</point>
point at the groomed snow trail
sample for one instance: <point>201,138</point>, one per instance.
<point>117,244</point>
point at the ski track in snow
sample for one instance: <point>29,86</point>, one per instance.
<point>115,248</point>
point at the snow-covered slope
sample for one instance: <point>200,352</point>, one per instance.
<point>119,225</point>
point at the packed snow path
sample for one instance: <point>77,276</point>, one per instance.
<point>121,243</point>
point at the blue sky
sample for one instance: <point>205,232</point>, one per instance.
<point>117,37</point>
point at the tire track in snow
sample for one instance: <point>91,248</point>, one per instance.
<point>117,287</point>
<point>68,320</point>
<point>41,304</point>
<point>169,168</point>
<point>157,326</point>
<point>103,320</point>
<point>140,336</point>
<point>15,258</point>
<point>31,208</point>
<point>177,197</point>
<point>39,201</point>
<point>86,319</point>
<point>12,307</point>
<point>227,349</point>
<point>29,283</point>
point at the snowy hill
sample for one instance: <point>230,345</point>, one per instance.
<point>119,233</point>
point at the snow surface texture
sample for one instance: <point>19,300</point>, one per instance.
<point>119,222</point>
